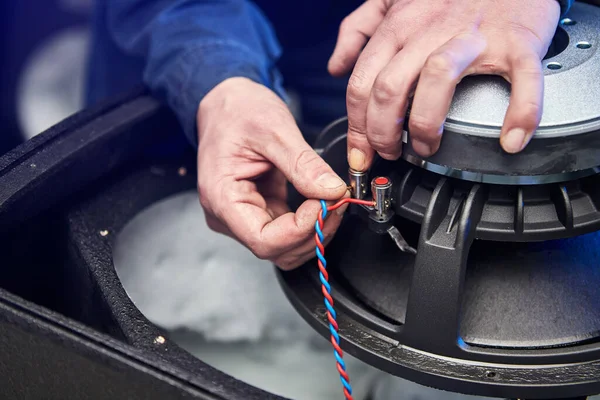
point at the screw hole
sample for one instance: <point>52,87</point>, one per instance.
<point>584,45</point>
<point>491,374</point>
<point>568,22</point>
<point>554,65</point>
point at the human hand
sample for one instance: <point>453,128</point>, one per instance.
<point>249,144</point>
<point>424,48</point>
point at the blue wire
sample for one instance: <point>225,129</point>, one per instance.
<point>329,307</point>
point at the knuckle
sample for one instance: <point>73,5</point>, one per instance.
<point>357,133</point>
<point>385,143</point>
<point>358,90</point>
<point>331,233</point>
<point>203,195</point>
<point>260,249</point>
<point>528,65</point>
<point>204,203</point>
<point>389,156</point>
<point>210,222</point>
<point>385,89</point>
<point>288,263</point>
<point>284,265</point>
<point>345,26</point>
<point>530,111</point>
<point>491,67</point>
<point>441,65</point>
<point>389,29</point>
<point>524,34</point>
<point>308,160</point>
<point>421,125</point>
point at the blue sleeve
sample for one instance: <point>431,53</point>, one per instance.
<point>190,46</point>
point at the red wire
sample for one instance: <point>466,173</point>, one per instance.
<point>329,299</point>
<point>353,201</point>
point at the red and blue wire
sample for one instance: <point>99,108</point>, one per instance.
<point>326,289</point>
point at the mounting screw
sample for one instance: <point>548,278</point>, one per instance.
<point>159,340</point>
<point>104,233</point>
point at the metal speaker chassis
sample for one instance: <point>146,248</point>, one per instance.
<point>418,317</point>
<point>405,314</point>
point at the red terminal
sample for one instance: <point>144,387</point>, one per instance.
<point>382,180</point>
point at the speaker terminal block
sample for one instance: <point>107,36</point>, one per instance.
<point>380,216</point>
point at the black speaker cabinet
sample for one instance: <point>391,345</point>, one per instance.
<point>68,330</point>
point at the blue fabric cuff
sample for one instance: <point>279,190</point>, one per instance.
<point>203,67</point>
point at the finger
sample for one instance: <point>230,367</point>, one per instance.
<point>382,47</point>
<point>307,251</point>
<point>217,226</point>
<point>437,83</point>
<point>355,31</point>
<point>302,166</point>
<point>526,102</point>
<point>243,210</point>
<point>389,101</point>
<point>212,222</point>
<point>272,186</point>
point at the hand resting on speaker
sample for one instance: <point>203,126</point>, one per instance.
<point>423,48</point>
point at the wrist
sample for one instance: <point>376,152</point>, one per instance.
<point>233,86</point>
<point>233,83</point>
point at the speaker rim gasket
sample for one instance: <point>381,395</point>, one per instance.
<point>532,381</point>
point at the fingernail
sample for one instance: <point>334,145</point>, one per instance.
<point>356,160</point>
<point>514,140</point>
<point>340,211</point>
<point>422,149</point>
<point>330,181</point>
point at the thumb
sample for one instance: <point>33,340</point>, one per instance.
<point>304,168</point>
<point>354,32</point>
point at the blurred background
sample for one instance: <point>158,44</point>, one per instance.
<point>43,49</point>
